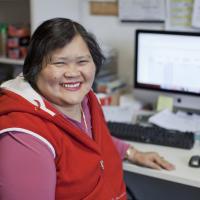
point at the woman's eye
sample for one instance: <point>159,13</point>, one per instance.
<point>59,64</point>
<point>83,62</point>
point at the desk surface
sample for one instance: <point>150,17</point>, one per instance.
<point>179,157</point>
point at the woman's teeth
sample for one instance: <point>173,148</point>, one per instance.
<point>71,85</point>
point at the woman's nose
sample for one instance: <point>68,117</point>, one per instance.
<point>71,71</point>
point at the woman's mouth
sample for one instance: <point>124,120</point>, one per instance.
<point>72,86</point>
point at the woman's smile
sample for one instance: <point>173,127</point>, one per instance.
<point>72,86</point>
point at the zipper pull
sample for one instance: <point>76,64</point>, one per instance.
<point>102,164</point>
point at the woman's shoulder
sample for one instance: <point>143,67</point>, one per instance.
<point>16,139</point>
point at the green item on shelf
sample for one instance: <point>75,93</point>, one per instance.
<point>3,39</point>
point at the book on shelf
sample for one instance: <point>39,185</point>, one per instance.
<point>109,84</point>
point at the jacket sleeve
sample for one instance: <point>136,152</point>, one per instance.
<point>27,169</point>
<point>121,146</point>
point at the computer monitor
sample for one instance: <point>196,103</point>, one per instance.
<point>168,63</point>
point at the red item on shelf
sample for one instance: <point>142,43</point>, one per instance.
<point>14,53</point>
<point>17,41</point>
<point>14,31</point>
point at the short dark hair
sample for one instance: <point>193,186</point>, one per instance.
<point>52,35</point>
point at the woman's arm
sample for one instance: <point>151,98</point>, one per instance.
<point>27,169</point>
<point>121,146</point>
<point>147,159</point>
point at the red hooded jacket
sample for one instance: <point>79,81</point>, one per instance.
<point>86,169</point>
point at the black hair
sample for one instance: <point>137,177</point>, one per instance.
<point>52,35</point>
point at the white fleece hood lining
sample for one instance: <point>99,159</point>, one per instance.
<point>24,89</point>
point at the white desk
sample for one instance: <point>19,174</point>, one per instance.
<point>149,184</point>
<point>179,157</point>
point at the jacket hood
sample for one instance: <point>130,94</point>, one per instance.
<point>20,88</point>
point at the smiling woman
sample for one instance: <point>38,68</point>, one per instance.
<point>52,126</point>
<point>68,78</point>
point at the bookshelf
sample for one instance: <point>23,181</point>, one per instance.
<point>13,12</point>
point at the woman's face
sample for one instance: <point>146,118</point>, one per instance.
<point>69,76</point>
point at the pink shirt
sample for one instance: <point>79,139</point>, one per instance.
<point>23,154</point>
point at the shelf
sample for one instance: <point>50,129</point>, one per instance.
<point>12,61</point>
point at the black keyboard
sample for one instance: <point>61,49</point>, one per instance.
<point>152,135</point>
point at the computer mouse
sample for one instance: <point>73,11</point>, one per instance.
<point>194,161</point>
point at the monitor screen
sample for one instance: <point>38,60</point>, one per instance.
<point>168,62</point>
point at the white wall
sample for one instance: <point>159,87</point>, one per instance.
<point>108,29</point>
<point>46,9</point>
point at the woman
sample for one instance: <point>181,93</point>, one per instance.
<point>54,140</point>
